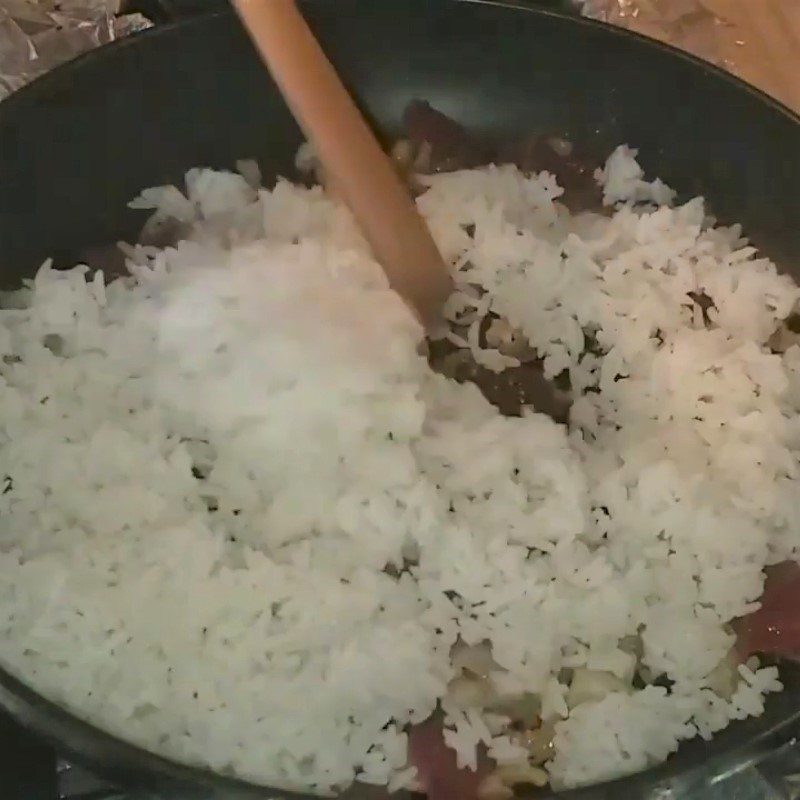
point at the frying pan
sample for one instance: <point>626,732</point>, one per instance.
<point>77,144</point>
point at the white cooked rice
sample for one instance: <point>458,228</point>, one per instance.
<point>265,353</point>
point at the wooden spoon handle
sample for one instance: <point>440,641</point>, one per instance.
<point>349,152</point>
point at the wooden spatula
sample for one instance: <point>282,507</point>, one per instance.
<point>361,172</point>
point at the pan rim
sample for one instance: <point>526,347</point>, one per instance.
<point>104,52</point>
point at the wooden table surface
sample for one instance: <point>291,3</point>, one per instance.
<point>768,52</point>
<point>759,40</point>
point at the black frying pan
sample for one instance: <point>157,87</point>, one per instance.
<point>76,145</point>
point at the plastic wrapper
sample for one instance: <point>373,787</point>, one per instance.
<point>37,36</point>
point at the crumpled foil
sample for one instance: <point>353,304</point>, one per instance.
<point>692,25</point>
<point>37,35</point>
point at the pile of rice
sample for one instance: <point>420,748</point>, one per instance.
<point>244,524</point>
